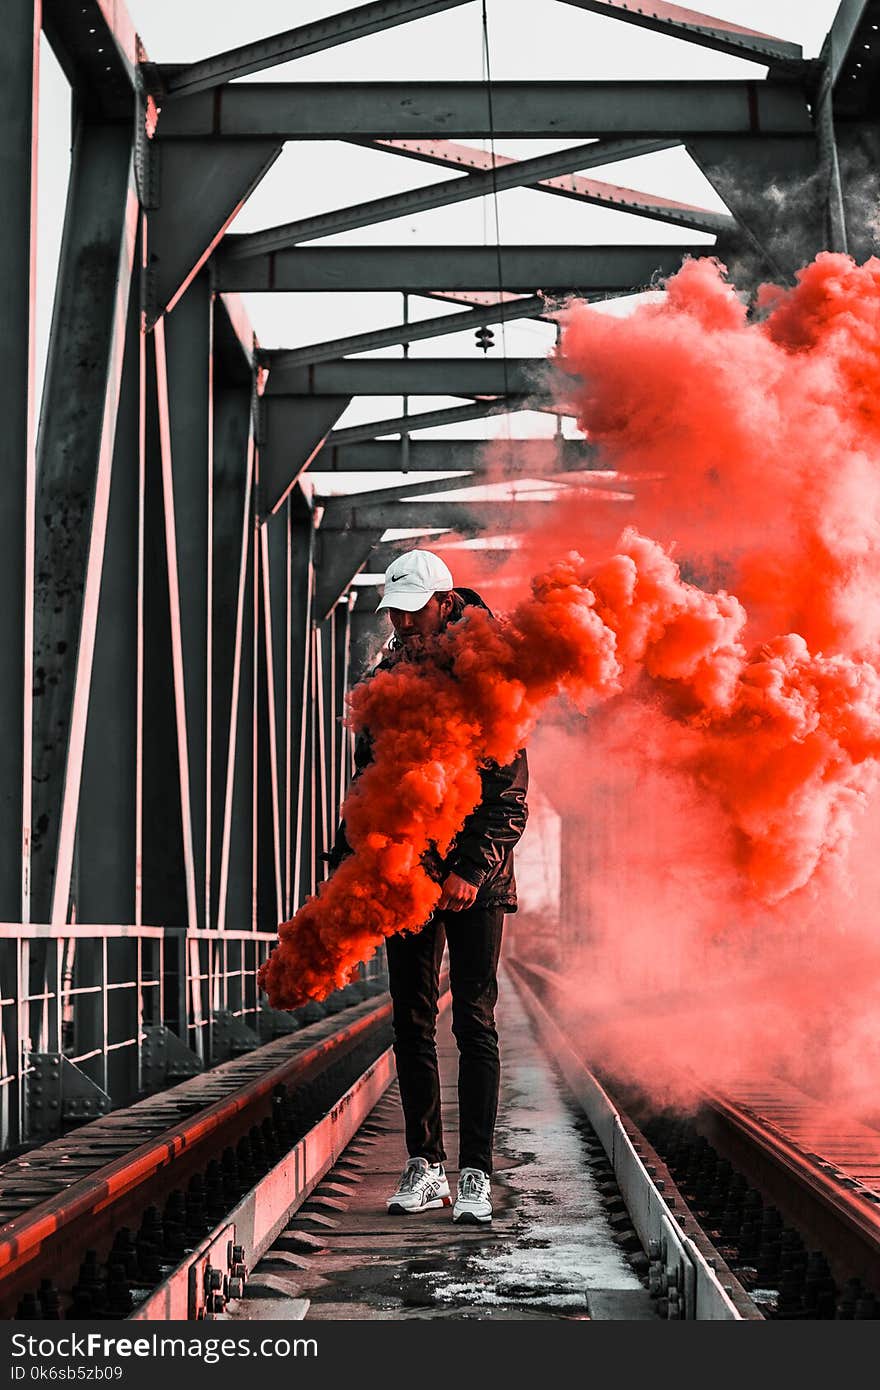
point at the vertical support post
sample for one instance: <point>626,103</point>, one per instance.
<point>404,438</point>
<point>107,826</point>
<point>255,720</point>
<point>141,593</point>
<point>19,86</point>
<point>177,644</point>
<point>320,759</point>
<point>288,711</point>
<point>165,897</point>
<point>274,685</point>
<point>75,450</point>
<point>188,335</point>
<point>230,489</point>
<point>332,712</point>
<point>830,164</point>
<point>343,674</point>
<point>235,897</point>
<point>303,584</point>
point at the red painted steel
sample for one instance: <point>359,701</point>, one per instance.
<point>261,1214</point>
<point>450,152</point>
<point>856,1201</point>
<point>677,14</point>
<point>22,1241</point>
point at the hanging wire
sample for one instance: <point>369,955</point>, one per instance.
<point>487,69</point>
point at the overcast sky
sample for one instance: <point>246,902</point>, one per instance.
<point>538,39</point>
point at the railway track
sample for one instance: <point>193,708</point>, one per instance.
<point>780,1192</point>
<point>760,1206</point>
<point>92,1222</point>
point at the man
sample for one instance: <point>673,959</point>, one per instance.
<point>478,888</point>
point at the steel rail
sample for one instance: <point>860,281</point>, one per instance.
<point>697,1290</point>
<point>840,1211</point>
<point>823,1191</point>
<point>250,1228</point>
<point>56,1230</point>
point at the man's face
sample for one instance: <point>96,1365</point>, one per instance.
<point>414,629</point>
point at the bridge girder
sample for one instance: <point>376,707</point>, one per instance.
<point>181,600</point>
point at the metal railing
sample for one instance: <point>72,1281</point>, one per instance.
<point>81,993</point>
<point>81,1007</point>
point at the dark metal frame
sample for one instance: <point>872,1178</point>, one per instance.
<point>177,630</point>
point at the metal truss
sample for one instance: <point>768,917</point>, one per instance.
<point>180,624</point>
<point>543,172</point>
<point>418,269</point>
<point>540,110</point>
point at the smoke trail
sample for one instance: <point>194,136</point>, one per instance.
<point>749,437</point>
<point>731,743</point>
<point>632,625</point>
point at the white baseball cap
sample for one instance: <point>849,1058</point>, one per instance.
<point>412,579</point>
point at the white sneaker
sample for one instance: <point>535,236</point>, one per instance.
<point>422,1185</point>
<point>474,1200</point>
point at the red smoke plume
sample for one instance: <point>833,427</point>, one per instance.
<point>750,443</point>
<point>739,735</point>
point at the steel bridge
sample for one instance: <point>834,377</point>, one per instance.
<point>181,619</point>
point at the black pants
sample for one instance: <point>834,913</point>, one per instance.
<point>474,939</point>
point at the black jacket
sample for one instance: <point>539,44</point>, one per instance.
<point>482,852</point>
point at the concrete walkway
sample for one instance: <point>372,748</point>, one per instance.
<point>549,1253</point>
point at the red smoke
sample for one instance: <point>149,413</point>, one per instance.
<point>750,442</point>
<point>719,783</point>
<point>632,625</point>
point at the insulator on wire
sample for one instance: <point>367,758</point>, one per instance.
<point>485,338</point>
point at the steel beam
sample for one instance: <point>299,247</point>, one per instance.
<point>742,168</point>
<point>695,27</point>
<point>467,517</point>
<point>234,345</point>
<point>282,360</point>
<point>19,83</point>
<point>166,896</point>
<point>836,232</point>
<point>542,173</point>
<point>475,299</point>
<point>520,457</point>
<point>285,610</point>
<point>301,589</point>
<point>850,61</point>
<point>367,635</point>
<point>200,190</point>
<point>416,269</point>
<point>320,826</point>
<point>292,431</point>
<point>232,410</point>
<point>388,551</point>
<point>236,894</point>
<point>452,110</point>
<point>97,46</point>
<point>179,643</point>
<point>409,376</point>
<point>315,37</point>
<point>188,336</point>
<point>343,679</point>
<point>846,124</point>
<point>276,635</point>
<point>428,419</point>
<point>74,453</point>
<point>267,806</point>
<point>107,855</point>
<point>338,564</point>
<point>397,492</point>
<point>497,172</point>
<point>838,46</point>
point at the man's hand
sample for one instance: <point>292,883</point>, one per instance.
<point>456,894</point>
